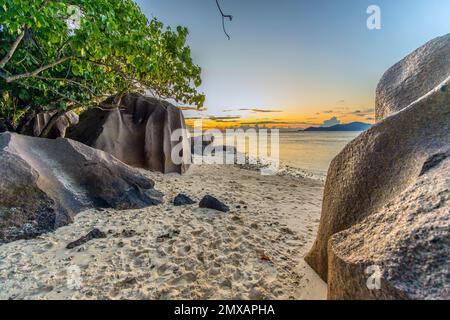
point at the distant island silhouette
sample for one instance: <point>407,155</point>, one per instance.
<point>353,126</point>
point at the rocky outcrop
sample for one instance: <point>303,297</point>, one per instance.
<point>379,193</point>
<point>46,182</point>
<point>413,77</point>
<point>138,133</point>
<point>40,121</point>
<point>34,125</point>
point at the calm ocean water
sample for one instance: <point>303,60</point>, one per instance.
<point>305,153</point>
<point>312,152</point>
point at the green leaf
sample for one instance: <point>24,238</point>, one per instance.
<point>125,50</point>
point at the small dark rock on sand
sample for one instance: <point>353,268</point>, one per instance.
<point>212,203</point>
<point>182,200</point>
<point>94,234</point>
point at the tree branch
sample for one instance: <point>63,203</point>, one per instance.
<point>11,50</point>
<point>37,71</point>
<point>224,16</point>
<point>53,120</point>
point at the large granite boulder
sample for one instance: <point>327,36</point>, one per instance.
<point>406,244</point>
<point>44,183</point>
<point>138,133</point>
<point>414,76</point>
<point>367,183</point>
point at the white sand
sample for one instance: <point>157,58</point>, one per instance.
<point>205,254</point>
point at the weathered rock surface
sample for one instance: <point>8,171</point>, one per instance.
<point>414,76</point>
<point>378,166</point>
<point>380,195</point>
<point>211,202</point>
<point>406,242</point>
<point>40,121</point>
<point>44,183</point>
<point>139,133</point>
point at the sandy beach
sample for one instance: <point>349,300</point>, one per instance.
<point>165,252</point>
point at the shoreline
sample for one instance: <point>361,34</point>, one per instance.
<point>165,252</point>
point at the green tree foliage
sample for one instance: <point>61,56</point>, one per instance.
<point>62,55</point>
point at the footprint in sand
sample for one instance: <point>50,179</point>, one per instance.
<point>184,279</point>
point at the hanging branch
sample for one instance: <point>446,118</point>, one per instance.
<point>224,16</point>
<point>12,49</point>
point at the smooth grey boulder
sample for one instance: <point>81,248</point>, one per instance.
<point>412,77</point>
<point>45,183</point>
<point>138,133</point>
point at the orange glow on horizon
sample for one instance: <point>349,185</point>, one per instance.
<point>291,121</point>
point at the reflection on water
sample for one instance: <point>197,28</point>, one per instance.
<point>300,153</point>
<point>312,151</point>
<point>304,153</point>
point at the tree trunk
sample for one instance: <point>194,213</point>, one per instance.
<point>27,118</point>
<point>48,128</point>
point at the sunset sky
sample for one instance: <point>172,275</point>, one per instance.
<point>297,63</point>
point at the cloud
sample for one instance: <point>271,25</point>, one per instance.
<point>224,118</point>
<point>225,121</point>
<point>331,122</point>
<point>217,119</point>
<point>325,112</point>
<point>192,108</point>
<point>255,110</point>
<point>274,122</point>
<point>193,118</point>
<point>363,113</point>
